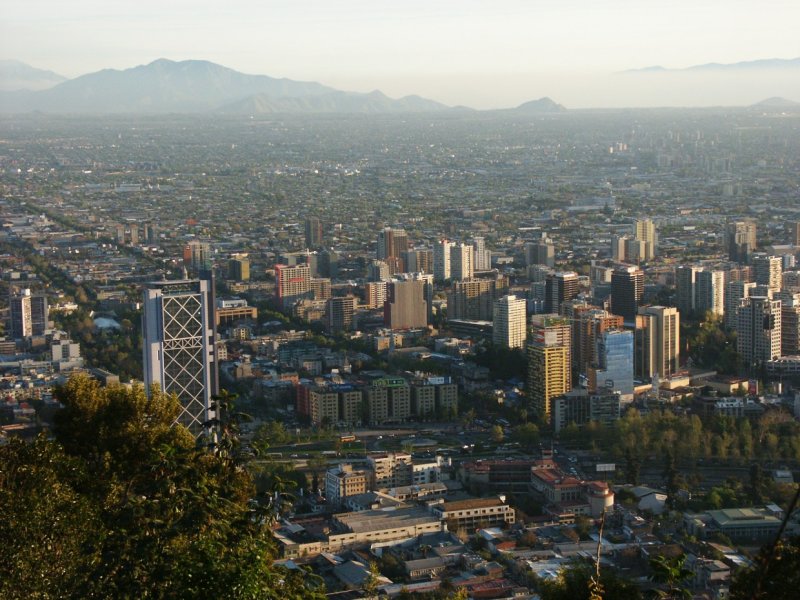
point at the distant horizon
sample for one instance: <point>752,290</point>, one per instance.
<point>572,85</point>
<point>464,52</point>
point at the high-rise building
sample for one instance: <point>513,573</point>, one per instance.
<point>28,314</point>
<point>197,256</point>
<point>794,233</point>
<point>734,292</point>
<point>627,289</point>
<point>618,248</point>
<point>548,375</point>
<point>483,257</point>
<point>178,347</point>
<point>553,330</point>
<point>375,294</point>
<point>758,330</point>
<point>239,267</point>
<point>392,243</point>
<point>588,326</point>
<point>418,260</point>
<point>313,233</point>
<point>768,270</point>
<point>710,292</point>
<point>560,287</point>
<point>405,306</point>
<point>540,252</point>
<point>790,324</point>
<point>657,342</point>
<point>685,288</point>
<point>293,284</point>
<point>474,299</point>
<point>462,262</point>
<point>441,261</point>
<point>644,230</point>
<point>741,240</point>
<point>509,329</point>
<point>614,370</point>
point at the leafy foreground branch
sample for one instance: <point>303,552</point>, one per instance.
<point>124,505</point>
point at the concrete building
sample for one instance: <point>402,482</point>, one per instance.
<point>293,284</point>
<point>462,262</point>
<point>509,330</point>
<point>239,267</point>
<point>483,257</point>
<point>339,314</point>
<point>313,231</point>
<point>627,289</point>
<point>710,292</point>
<point>344,481</point>
<point>474,299</point>
<point>644,230</point>
<point>178,346</point>
<point>614,368</point>
<point>581,407</point>
<point>405,306</point>
<point>741,240</point>
<point>475,513</point>
<point>560,287</point>
<point>685,282</point>
<point>759,330</point>
<point>657,342</point>
<point>441,261</point>
<point>548,371</point>
<point>735,291</point>
<point>768,271</point>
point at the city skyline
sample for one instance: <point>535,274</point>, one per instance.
<point>457,54</point>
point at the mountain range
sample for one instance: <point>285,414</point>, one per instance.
<point>750,65</point>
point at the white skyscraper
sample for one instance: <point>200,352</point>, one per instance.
<point>483,257</point>
<point>710,292</point>
<point>178,330</point>
<point>462,262</point>
<point>441,260</point>
<point>509,322</point>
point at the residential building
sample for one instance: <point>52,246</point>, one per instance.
<point>710,292</point>
<point>339,314</point>
<point>759,330</point>
<point>462,262</point>
<point>560,287</point>
<point>657,342</point>
<point>344,481</point>
<point>475,513</point>
<point>441,261</point>
<point>741,240</point>
<point>644,230</point>
<point>405,306</point>
<point>293,284</point>
<point>509,330</point>
<point>627,289</point>
<point>734,292</point>
<point>474,299</point>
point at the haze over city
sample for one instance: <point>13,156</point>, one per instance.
<point>482,55</point>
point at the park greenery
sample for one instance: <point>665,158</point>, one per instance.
<point>124,504</point>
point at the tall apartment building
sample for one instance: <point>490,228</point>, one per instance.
<point>710,292</point>
<point>392,244</point>
<point>178,347</point>
<point>313,233</point>
<point>540,252</point>
<point>581,407</point>
<point>794,233</point>
<point>741,240</point>
<point>790,324</point>
<point>734,292</point>
<point>239,267</point>
<point>474,299</point>
<point>293,284</point>
<point>685,288</point>
<point>483,257</point>
<point>388,400</point>
<point>418,260</point>
<point>197,256</point>
<point>657,342</point>
<point>644,230</point>
<point>560,287</point>
<point>389,470</point>
<point>441,261</point>
<point>759,330</point>
<point>549,370</point>
<point>28,314</point>
<point>339,314</point>
<point>509,330</point>
<point>627,290</point>
<point>588,325</point>
<point>768,271</point>
<point>333,404</point>
<point>462,262</point>
<point>405,306</point>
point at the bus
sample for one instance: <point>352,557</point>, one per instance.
<point>347,438</point>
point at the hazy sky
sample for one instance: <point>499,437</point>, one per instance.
<point>479,53</point>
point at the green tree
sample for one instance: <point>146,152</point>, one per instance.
<point>497,434</point>
<point>140,510</point>
<point>671,576</point>
<point>772,576</point>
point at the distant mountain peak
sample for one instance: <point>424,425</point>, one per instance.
<point>15,75</point>
<point>776,102</point>
<point>542,105</point>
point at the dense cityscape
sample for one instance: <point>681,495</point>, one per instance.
<point>463,354</point>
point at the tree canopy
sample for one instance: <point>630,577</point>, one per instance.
<point>124,504</point>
